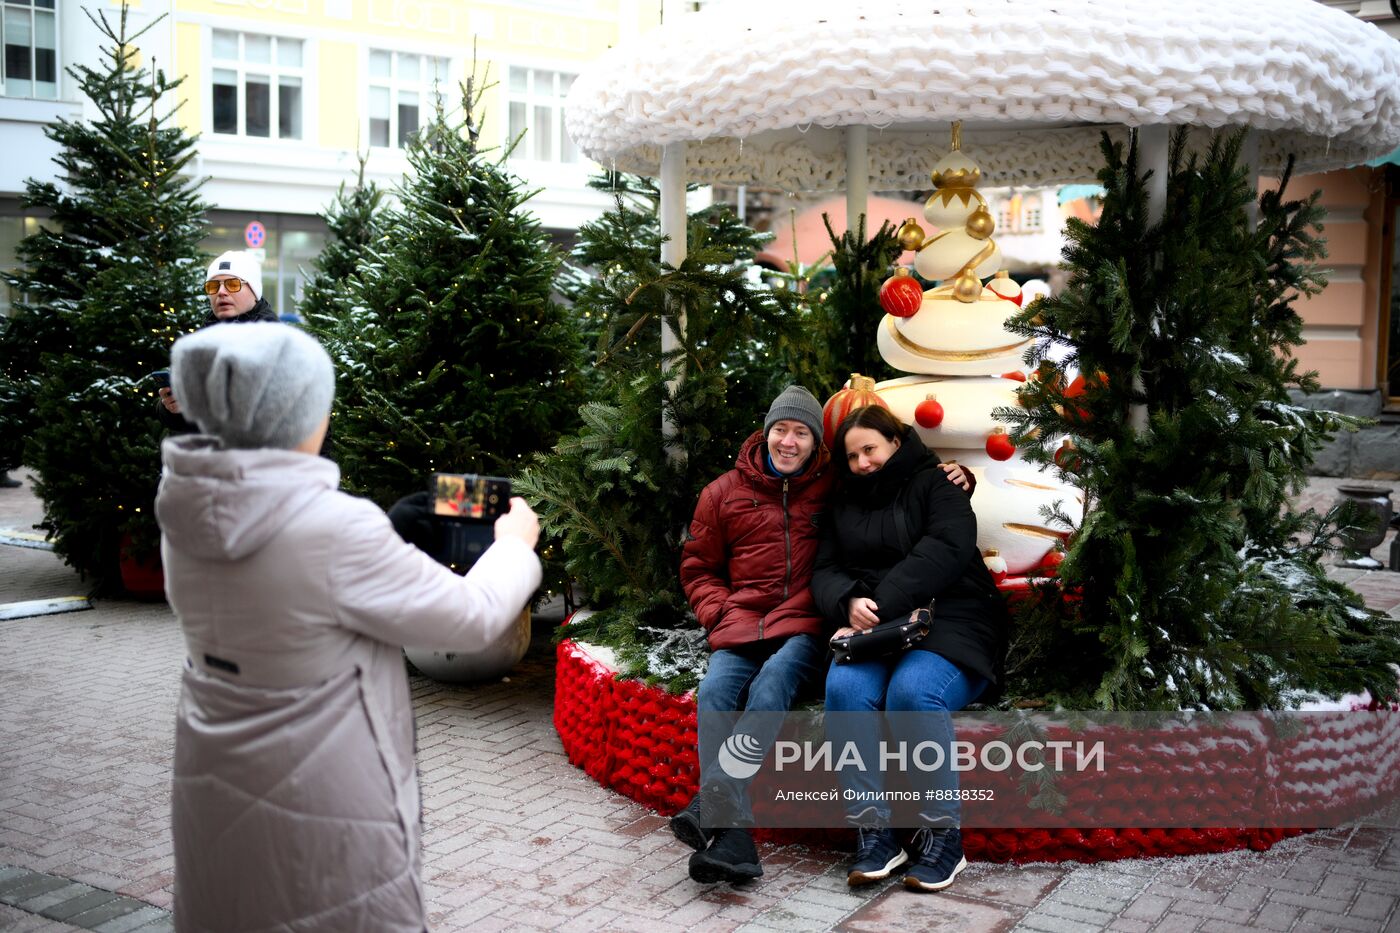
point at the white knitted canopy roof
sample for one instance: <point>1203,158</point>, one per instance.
<point>760,89</point>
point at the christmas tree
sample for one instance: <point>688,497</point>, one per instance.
<point>109,281</point>
<point>852,300</point>
<point>452,354</point>
<point>354,222</point>
<point>620,491</point>
<point>1189,583</point>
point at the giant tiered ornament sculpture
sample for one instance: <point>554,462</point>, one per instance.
<point>965,365</point>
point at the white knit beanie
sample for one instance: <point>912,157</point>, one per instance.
<point>237,262</point>
<point>253,385</point>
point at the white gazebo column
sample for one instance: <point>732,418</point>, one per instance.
<point>1154,147</point>
<point>857,175</point>
<point>1249,159</point>
<point>673,246</point>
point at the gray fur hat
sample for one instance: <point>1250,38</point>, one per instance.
<point>253,385</point>
<point>796,404</point>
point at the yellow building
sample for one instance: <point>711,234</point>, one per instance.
<point>284,93</point>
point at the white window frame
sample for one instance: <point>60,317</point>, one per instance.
<point>6,6</point>
<point>1032,218</point>
<point>423,86</point>
<point>530,99</point>
<point>273,72</point>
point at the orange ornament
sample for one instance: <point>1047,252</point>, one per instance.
<point>859,392</point>
<point>1015,374</point>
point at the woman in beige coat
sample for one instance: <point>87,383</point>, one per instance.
<point>295,800</point>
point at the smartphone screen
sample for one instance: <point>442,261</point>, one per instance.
<point>470,496</point>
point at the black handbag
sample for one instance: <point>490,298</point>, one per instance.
<point>884,639</point>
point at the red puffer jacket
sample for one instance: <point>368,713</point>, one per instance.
<point>747,562</point>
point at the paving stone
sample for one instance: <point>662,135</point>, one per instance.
<point>101,914</point>
<point>77,905</point>
<point>24,889</point>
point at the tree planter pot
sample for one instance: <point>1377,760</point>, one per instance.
<point>144,579</point>
<point>641,742</point>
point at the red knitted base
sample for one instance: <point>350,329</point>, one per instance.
<point>641,742</point>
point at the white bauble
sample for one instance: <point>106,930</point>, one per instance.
<point>490,663</point>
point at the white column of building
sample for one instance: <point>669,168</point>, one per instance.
<point>857,174</point>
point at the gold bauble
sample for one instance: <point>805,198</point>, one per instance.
<point>980,225</point>
<point>910,234</point>
<point>967,287</point>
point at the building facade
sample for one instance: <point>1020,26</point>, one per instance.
<point>284,95</point>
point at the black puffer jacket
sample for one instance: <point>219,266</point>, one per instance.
<point>179,424</point>
<point>862,554</point>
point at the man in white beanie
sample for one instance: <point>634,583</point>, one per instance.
<point>295,800</point>
<point>234,286</point>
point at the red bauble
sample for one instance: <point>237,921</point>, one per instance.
<point>1050,564</point>
<point>1066,458</point>
<point>901,295</point>
<point>929,413</point>
<point>999,445</point>
<point>859,392</point>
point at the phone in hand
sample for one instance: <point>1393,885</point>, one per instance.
<point>161,377</point>
<point>470,496</point>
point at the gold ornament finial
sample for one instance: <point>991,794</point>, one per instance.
<point>957,135</point>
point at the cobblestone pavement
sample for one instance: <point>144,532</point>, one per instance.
<point>517,839</point>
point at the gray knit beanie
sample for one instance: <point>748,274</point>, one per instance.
<point>253,385</point>
<point>796,404</point>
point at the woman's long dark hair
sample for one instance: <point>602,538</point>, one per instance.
<point>877,418</point>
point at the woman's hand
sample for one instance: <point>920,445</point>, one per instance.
<point>956,475</point>
<point>860,613</point>
<point>520,522</point>
<point>843,632</point>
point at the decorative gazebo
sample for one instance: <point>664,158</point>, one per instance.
<point>858,95</point>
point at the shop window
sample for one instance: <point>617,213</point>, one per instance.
<point>402,92</point>
<point>30,41</point>
<point>536,109</point>
<point>257,85</point>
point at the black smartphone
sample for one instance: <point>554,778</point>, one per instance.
<point>161,377</point>
<point>470,497</point>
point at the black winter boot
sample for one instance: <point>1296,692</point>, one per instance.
<point>695,825</point>
<point>733,858</point>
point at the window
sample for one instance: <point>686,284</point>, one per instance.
<point>536,109</point>
<point>31,49</point>
<point>401,89</point>
<point>1030,220</point>
<point>1004,218</point>
<point>257,85</point>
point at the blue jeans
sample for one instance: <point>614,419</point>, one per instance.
<point>910,681</point>
<point>747,680</point>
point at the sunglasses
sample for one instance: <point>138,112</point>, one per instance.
<point>211,287</point>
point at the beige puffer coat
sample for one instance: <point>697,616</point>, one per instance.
<point>295,800</point>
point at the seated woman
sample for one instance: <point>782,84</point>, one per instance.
<point>898,536</point>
